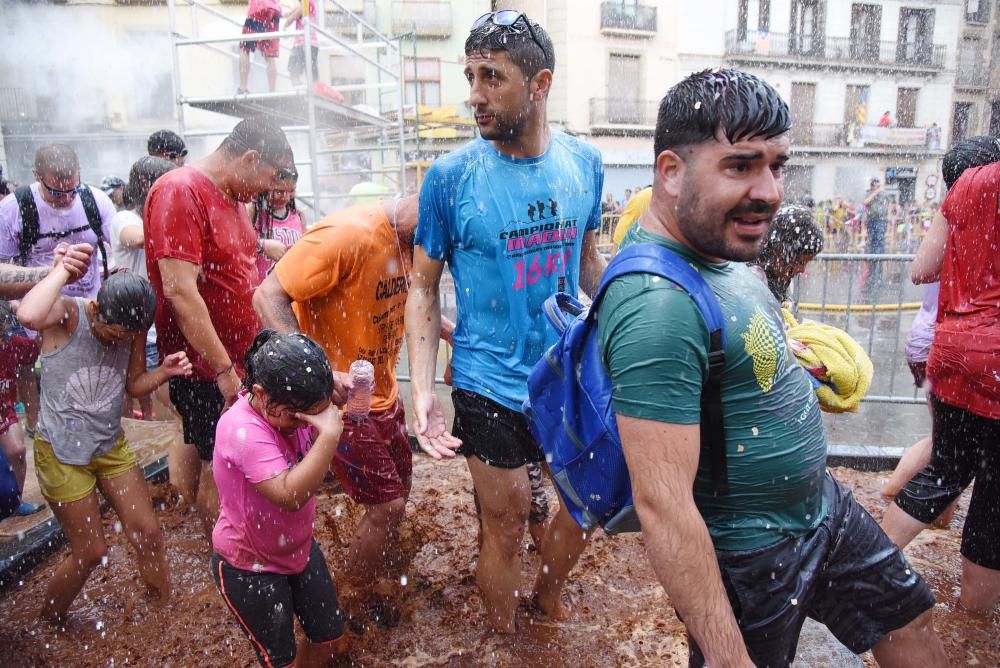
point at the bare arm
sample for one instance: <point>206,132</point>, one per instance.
<point>274,306</point>
<point>44,307</point>
<point>273,249</point>
<point>139,382</point>
<point>592,265</point>
<point>15,280</point>
<point>868,200</point>
<point>294,14</point>
<point>926,267</point>
<point>663,460</point>
<point>131,236</point>
<point>423,330</point>
<point>180,288</point>
<point>292,489</point>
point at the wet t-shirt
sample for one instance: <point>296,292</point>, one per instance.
<point>964,363</point>
<point>348,278</point>
<point>511,231</point>
<point>188,218</point>
<point>655,345</point>
<point>253,533</point>
<point>50,220</point>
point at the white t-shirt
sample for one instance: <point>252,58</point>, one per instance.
<point>133,259</point>
<point>50,220</point>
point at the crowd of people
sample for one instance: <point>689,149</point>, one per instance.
<point>258,317</point>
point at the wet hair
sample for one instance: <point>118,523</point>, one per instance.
<point>291,368</point>
<point>57,159</point>
<point>163,142</point>
<point>738,104</point>
<point>793,234</point>
<point>971,152</point>
<point>141,178</point>
<point>7,317</point>
<point>261,134</point>
<point>128,300</point>
<point>529,56</point>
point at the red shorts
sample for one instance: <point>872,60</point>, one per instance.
<point>266,21</point>
<point>374,462</point>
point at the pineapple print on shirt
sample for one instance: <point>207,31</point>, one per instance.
<point>762,342</point>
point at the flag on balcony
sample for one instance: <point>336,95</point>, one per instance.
<point>861,109</point>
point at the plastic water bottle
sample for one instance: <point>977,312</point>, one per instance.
<point>359,398</point>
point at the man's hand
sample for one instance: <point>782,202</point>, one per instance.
<point>429,427</point>
<point>177,364</point>
<point>341,388</point>
<point>229,385</point>
<point>74,258</point>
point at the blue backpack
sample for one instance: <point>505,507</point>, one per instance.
<point>570,410</point>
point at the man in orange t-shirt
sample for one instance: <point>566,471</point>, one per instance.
<point>345,283</point>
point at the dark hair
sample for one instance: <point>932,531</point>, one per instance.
<point>164,142</point>
<point>263,217</point>
<point>291,368</point>
<point>128,300</point>
<point>7,317</point>
<point>793,234</point>
<point>529,56</point>
<point>141,178</point>
<point>739,104</point>
<point>58,159</point>
<point>260,134</point>
<point>971,152</point>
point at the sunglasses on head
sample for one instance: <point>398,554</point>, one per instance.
<point>59,193</point>
<point>507,18</point>
<point>173,155</point>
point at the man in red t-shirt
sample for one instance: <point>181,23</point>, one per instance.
<point>201,252</point>
<point>964,372</point>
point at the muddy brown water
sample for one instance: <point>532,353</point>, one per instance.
<point>621,617</point>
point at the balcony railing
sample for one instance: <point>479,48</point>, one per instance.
<point>826,50</point>
<point>617,16</point>
<point>340,22</point>
<point>14,104</point>
<point>977,76</point>
<point>623,113</point>
<point>852,135</point>
<point>429,18</point>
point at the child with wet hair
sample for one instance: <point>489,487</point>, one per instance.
<point>272,450</point>
<point>93,351</point>
<point>792,241</point>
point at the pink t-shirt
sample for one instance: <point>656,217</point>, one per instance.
<point>252,533</point>
<point>287,230</point>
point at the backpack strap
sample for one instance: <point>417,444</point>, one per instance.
<point>654,259</point>
<point>96,223</point>
<point>29,223</point>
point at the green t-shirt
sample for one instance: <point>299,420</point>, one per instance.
<point>655,347</point>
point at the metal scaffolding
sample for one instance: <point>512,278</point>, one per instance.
<point>332,127</point>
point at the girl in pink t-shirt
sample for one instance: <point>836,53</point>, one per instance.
<point>278,223</point>
<point>272,449</point>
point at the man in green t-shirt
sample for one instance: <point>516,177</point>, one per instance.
<point>744,569</point>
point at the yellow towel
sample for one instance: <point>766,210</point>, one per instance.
<point>846,370</point>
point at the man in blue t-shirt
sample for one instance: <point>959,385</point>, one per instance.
<point>514,215</point>
<point>744,568</point>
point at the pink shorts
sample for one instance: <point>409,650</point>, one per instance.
<point>374,462</point>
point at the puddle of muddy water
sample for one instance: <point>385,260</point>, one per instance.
<point>621,616</point>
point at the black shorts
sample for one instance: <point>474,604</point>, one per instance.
<point>845,573</point>
<point>264,602</point>
<point>966,446</point>
<point>297,61</point>
<point>492,432</point>
<point>200,405</point>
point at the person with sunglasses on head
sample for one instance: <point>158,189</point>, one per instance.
<point>514,215</point>
<point>57,209</point>
<point>201,254</point>
<point>167,145</point>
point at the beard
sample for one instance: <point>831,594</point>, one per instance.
<point>507,126</point>
<point>705,229</point>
